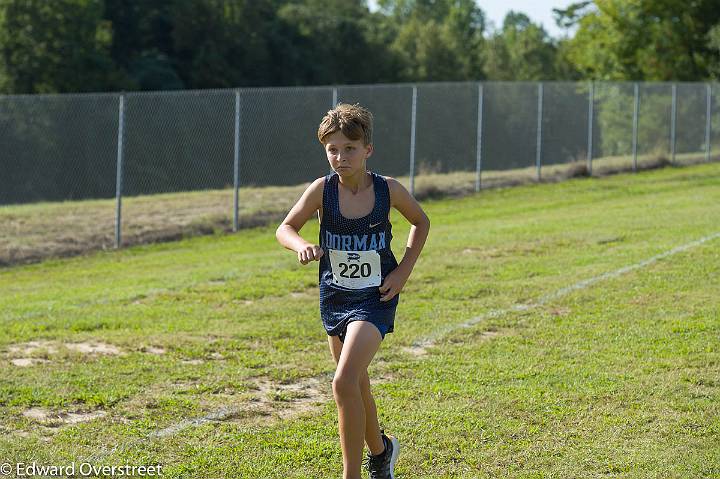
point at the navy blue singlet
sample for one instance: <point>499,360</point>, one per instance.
<point>339,305</point>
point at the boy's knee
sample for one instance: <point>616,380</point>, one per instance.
<point>346,384</point>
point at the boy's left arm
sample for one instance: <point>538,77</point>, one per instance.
<point>403,201</point>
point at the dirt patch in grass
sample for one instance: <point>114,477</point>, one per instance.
<point>263,402</point>
<point>192,361</point>
<point>153,350</point>
<point>48,422</point>
<point>54,419</point>
<point>25,362</point>
<point>33,347</point>
<point>32,353</point>
<point>293,399</point>
<point>273,401</point>
<point>267,401</point>
<point>93,348</point>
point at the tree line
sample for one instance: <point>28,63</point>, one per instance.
<point>107,45</point>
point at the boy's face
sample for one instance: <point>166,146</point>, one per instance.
<point>346,157</point>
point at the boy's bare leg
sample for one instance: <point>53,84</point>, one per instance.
<point>362,341</point>
<point>373,439</point>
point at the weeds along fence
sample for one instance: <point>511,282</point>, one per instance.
<point>227,148</point>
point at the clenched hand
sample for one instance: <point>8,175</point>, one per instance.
<point>393,284</point>
<point>310,253</point>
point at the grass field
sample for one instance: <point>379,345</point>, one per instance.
<point>34,232</point>
<point>207,355</point>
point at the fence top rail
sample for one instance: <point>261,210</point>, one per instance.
<point>285,89</point>
<point>60,96</point>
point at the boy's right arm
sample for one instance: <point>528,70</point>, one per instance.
<point>287,233</point>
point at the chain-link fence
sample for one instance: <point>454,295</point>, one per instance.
<point>93,171</point>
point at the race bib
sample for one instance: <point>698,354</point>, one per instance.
<point>355,269</point>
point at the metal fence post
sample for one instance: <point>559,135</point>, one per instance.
<point>236,162</point>
<point>636,108</point>
<point>478,147</point>
<point>332,107</point>
<point>708,121</point>
<point>119,172</point>
<point>538,148</point>
<point>591,111</point>
<point>412,141</point>
<point>673,119</point>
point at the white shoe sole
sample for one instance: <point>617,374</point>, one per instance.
<point>393,458</point>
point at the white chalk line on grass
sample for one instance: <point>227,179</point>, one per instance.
<point>219,415</point>
<point>428,341</point>
<point>258,405</point>
<point>420,345</point>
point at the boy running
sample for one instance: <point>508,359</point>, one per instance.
<point>360,279</point>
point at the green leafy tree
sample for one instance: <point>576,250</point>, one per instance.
<point>58,46</point>
<point>438,39</point>
<point>565,70</point>
<point>713,43</point>
<point>654,40</point>
<point>521,50</point>
<point>337,42</point>
<point>172,44</point>
<point>143,45</point>
<point>221,44</point>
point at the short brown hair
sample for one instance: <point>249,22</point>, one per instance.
<point>354,121</point>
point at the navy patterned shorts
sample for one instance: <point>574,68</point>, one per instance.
<point>382,324</point>
<point>337,312</point>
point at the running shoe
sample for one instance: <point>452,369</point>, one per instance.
<point>383,465</point>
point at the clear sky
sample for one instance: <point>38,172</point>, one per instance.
<point>539,11</point>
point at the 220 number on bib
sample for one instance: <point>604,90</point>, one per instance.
<point>356,270</point>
